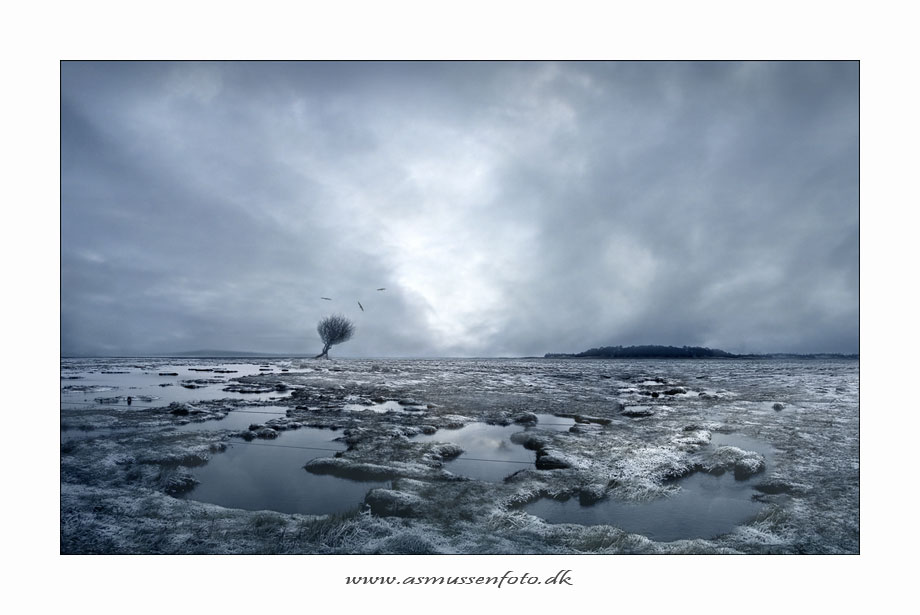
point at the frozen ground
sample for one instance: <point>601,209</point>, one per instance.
<point>456,456</point>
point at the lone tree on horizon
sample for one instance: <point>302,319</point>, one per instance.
<point>333,330</point>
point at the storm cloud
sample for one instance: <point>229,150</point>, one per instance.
<point>508,208</point>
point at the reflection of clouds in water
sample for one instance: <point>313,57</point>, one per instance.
<point>705,506</point>
<point>267,475</point>
<point>150,382</point>
<point>487,451</point>
<point>237,419</point>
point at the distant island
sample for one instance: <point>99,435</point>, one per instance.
<point>681,352</point>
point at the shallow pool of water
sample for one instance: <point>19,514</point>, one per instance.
<point>552,422</point>
<point>488,452</point>
<point>706,506</point>
<point>237,419</point>
<point>270,475</point>
<point>154,385</point>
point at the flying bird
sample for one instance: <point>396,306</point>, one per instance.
<point>326,298</point>
<point>360,306</point>
<point>381,289</point>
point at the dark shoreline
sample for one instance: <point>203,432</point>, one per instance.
<point>685,352</point>
<point>746,357</point>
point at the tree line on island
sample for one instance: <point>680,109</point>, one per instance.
<point>680,352</point>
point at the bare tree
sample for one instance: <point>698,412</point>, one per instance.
<point>334,330</point>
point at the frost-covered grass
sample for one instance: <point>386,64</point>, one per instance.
<point>127,477</point>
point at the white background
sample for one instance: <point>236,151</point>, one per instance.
<point>37,36</point>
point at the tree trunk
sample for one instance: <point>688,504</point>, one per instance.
<point>324,353</point>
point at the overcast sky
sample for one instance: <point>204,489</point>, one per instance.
<point>508,209</point>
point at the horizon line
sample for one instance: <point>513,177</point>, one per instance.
<point>553,355</point>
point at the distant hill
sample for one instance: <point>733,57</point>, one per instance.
<point>646,352</point>
<point>682,352</point>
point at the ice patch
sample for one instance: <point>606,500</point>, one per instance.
<point>384,407</point>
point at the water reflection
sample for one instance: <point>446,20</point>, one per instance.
<point>270,475</point>
<point>552,422</point>
<point>706,506</point>
<point>157,385</point>
<point>237,419</point>
<point>488,453</point>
